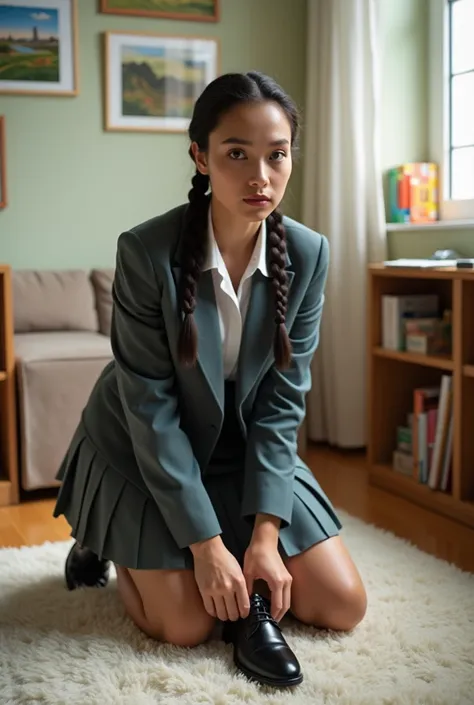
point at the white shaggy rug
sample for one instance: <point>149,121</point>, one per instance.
<point>414,647</point>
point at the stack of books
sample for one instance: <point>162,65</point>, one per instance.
<point>413,324</point>
<point>413,192</point>
<point>429,336</point>
<point>425,444</point>
<point>403,454</point>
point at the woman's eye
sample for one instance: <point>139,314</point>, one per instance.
<point>237,154</point>
<point>278,156</point>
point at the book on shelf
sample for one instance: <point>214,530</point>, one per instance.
<point>403,462</point>
<point>412,192</point>
<point>429,336</point>
<point>448,456</point>
<point>396,309</point>
<point>425,400</point>
<point>424,447</point>
<point>442,451</point>
<point>402,457</point>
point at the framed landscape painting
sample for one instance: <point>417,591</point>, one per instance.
<point>152,81</point>
<point>38,47</point>
<point>191,10</point>
<point>3,165</point>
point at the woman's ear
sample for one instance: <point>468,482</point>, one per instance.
<point>200,159</point>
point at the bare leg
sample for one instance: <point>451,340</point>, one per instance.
<point>327,590</point>
<point>165,604</point>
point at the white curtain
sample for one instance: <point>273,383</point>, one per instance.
<point>343,199</point>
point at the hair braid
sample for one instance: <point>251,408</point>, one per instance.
<point>276,249</point>
<point>194,252</point>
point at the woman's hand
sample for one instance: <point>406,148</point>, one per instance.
<point>220,580</point>
<point>263,561</point>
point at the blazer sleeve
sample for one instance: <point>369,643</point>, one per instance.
<point>279,410</point>
<point>148,393</point>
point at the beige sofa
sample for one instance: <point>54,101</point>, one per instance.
<point>62,328</point>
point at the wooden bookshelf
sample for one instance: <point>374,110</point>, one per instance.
<point>441,362</point>
<point>393,375</point>
<point>9,484</point>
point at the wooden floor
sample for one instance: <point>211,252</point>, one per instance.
<point>343,476</point>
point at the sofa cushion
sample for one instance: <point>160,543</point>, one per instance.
<point>102,280</point>
<point>49,300</point>
<point>68,345</point>
<point>51,397</point>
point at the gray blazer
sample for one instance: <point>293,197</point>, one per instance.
<point>157,422</point>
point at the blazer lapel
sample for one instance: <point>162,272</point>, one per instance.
<point>258,333</point>
<point>257,336</point>
<point>210,356</point>
<point>206,317</point>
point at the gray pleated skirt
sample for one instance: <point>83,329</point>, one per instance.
<point>115,519</point>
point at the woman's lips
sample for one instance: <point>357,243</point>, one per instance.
<point>257,200</point>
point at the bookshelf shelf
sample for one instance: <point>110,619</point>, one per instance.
<point>391,386</point>
<point>385,477</point>
<point>441,362</point>
<point>9,481</point>
<point>467,224</point>
<point>5,493</point>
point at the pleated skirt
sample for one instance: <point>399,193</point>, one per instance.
<point>114,518</point>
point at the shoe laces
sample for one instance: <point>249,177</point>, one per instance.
<point>259,611</point>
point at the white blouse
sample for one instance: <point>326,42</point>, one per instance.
<point>232,306</point>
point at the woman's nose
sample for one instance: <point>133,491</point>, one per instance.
<point>259,176</point>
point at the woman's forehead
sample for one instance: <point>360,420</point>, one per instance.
<point>254,122</point>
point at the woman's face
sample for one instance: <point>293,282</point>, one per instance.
<point>249,159</point>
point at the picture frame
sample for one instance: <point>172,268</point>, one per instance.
<point>153,80</point>
<point>165,9</point>
<point>3,165</point>
<point>39,48</point>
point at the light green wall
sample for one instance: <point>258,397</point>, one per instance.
<point>422,244</point>
<point>405,115</point>
<point>73,187</point>
<point>404,85</point>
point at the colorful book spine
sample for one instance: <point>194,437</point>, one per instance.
<point>442,433</point>
<point>432,421</point>
<point>413,192</point>
<point>424,399</point>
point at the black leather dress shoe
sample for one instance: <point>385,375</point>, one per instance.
<point>260,649</point>
<point>85,569</point>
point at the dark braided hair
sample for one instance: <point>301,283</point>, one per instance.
<point>218,98</point>
<point>194,253</point>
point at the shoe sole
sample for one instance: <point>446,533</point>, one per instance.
<point>269,681</point>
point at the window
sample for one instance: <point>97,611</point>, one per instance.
<point>451,112</point>
<point>461,92</point>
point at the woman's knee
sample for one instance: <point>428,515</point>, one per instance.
<point>192,633</point>
<point>188,633</point>
<point>342,610</point>
<point>165,605</point>
<point>349,609</point>
<point>327,590</point>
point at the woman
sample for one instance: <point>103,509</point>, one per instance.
<point>183,470</point>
